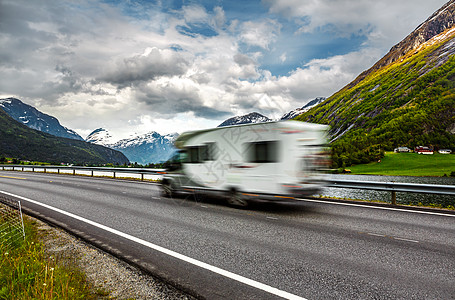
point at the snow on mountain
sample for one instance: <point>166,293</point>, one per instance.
<point>33,118</point>
<point>294,113</point>
<point>253,117</point>
<point>148,148</point>
<point>100,136</point>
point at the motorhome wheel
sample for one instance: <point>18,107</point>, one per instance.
<point>235,199</point>
<point>167,190</point>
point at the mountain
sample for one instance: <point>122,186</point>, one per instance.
<point>20,141</point>
<point>151,147</point>
<point>298,111</point>
<point>253,117</point>
<point>148,148</point>
<point>100,136</point>
<point>33,118</point>
<point>406,99</point>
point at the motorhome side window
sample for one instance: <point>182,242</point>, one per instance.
<point>209,152</point>
<point>193,155</point>
<point>199,154</point>
<point>262,152</point>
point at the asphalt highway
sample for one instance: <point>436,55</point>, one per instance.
<point>309,249</point>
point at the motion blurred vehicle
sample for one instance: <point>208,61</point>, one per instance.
<point>273,161</point>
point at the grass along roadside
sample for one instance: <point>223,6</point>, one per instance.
<point>28,272</point>
<point>82,271</point>
<point>409,164</point>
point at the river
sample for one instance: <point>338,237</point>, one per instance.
<point>402,198</point>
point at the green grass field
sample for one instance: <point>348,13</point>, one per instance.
<point>409,164</point>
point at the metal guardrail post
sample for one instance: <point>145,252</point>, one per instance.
<point>91,174</point>
<point>113,174</point>
<point>74,171</point>
<point>394,198</point>
<point>142,176</point>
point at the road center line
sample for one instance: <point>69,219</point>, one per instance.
<point>378,207</point>
<point>12,177</point>
<point>185,258</point>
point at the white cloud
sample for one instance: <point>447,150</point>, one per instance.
<point>91,65</point>
<point>219,19</point>
<point>323,77</point>
<point>385,22</point>
<point>260,34</point>
<point>150,65</point>
<point>182,122</point>
<point>194,13</point>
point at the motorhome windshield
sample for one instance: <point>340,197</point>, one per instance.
<point>175,162</point>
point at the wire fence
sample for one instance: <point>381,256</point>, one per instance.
<point>12,222</point>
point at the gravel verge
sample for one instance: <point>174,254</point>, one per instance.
<point>104,272</point>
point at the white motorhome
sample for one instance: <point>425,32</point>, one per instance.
<point>264,161</point>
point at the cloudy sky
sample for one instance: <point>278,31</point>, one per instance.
<point>134,66</point>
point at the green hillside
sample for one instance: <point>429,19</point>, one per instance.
<point>409,102</point>
<point>19,141</point>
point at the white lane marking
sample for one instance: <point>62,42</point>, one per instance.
<point>406,240</point>
<point>271,218</point>
<point>375,234</point>
<point>378,207</point>
<point>185,258</point>
<point>392,237</point>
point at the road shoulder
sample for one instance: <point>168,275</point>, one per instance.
<point>103,271</point>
